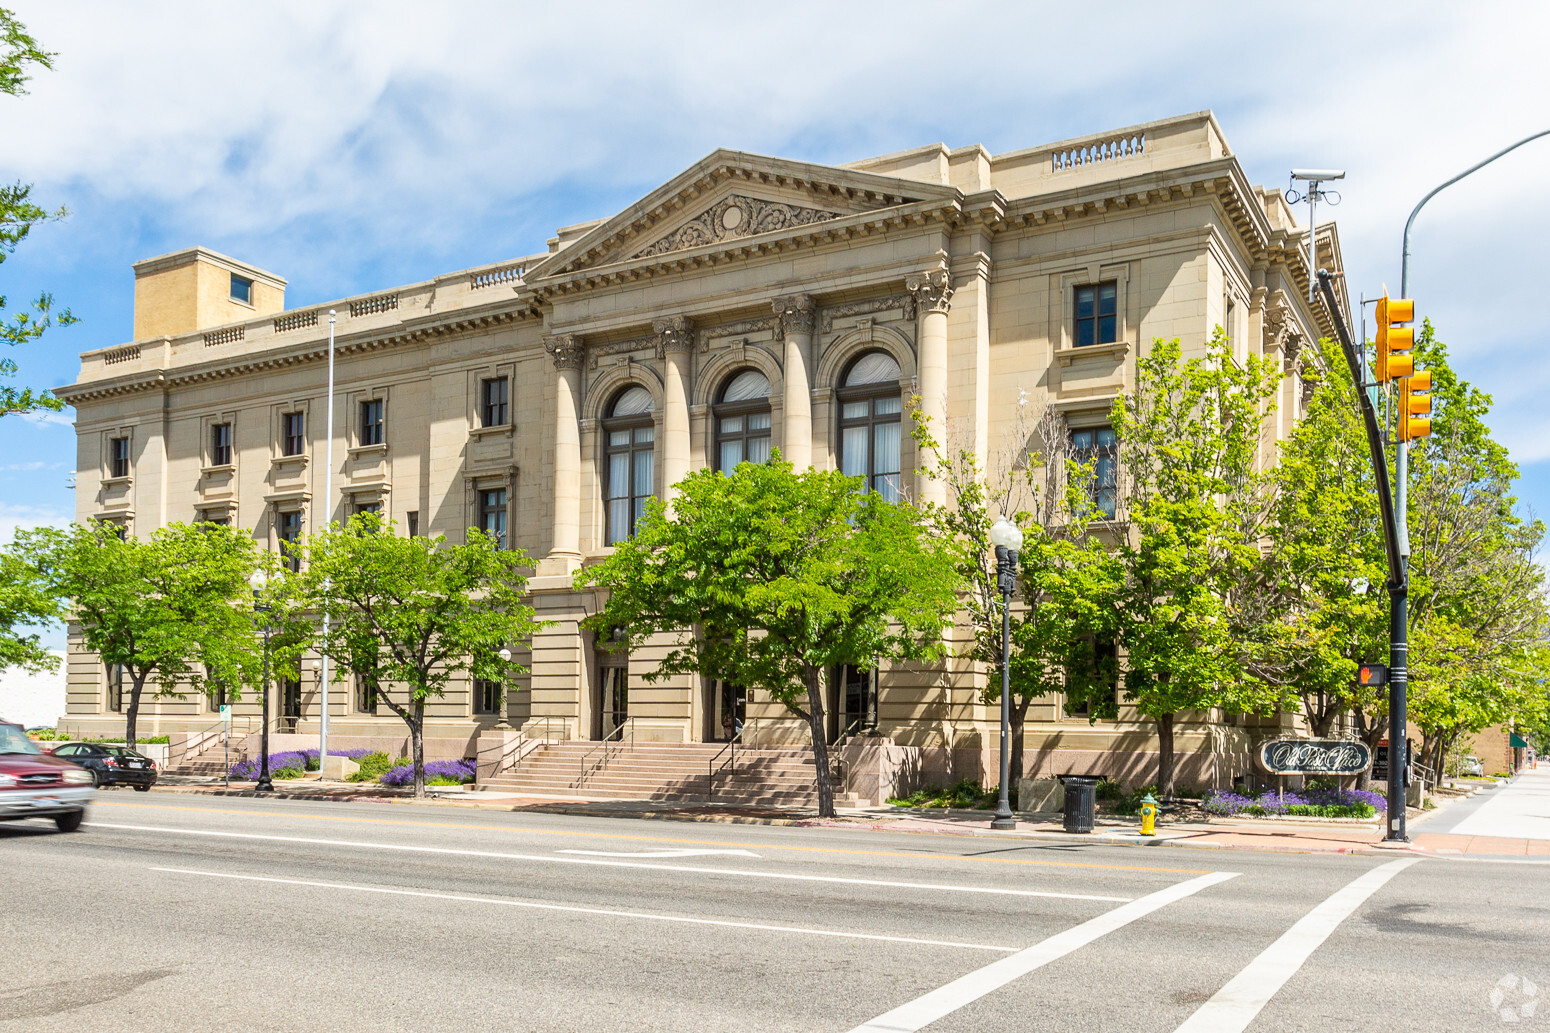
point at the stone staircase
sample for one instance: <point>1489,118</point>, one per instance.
<point>764,776</point>
<point>210,762</point>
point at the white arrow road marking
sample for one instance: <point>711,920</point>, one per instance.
<point>661,853</point>
<point>606,912</point>
<point>1236,1004</point>
<point>945,1000</point>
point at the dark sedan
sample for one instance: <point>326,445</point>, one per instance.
<point>111,765</point>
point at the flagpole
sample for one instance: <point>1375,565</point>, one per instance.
<point>328,511</point>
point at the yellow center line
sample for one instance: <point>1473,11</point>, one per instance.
<point>656,839</point>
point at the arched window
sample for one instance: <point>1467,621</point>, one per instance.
<point>870,408</point>
<point>630,437</point>
<point>743,421</point>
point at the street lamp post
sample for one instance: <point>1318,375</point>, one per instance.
<point>504,722</point>
<point>1007,539</point>
<point>258,582</point>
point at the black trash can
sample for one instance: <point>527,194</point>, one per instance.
<point>1081,800</point>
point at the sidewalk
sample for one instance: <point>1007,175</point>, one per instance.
<point>1511,819</point>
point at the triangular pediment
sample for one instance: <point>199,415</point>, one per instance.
<point>729,196</point>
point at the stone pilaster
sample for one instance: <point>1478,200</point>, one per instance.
<point>569,353</point>
<point>933,291</point>
<point>797,315</point>
<point>675,344</point>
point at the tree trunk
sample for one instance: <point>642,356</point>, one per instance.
<point>1370,734</point>
<point>417,745</point>
<point>1321,717</point>
<point>1019,717</point>
<point>132,713</point>
<point>815,715</point>
<point>1165,755</point>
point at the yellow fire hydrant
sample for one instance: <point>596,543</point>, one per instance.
<point>1148,815</point>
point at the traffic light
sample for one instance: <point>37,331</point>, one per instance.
<point>1394,342</point>
<point>1415,406</point>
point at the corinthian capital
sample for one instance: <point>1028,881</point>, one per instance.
<point>798,314</point>
<point>567,350</point>
<point>933,290</point>
<point>674,334</point>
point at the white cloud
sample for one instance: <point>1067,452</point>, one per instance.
<point>14,517</point>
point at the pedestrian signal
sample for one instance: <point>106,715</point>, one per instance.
<point>1372,674</point>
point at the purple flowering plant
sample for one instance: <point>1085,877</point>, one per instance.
<point>437,772</point>
<point>1310,803</point>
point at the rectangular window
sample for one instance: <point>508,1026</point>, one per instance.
<point>1098,446</point>
<point>631,479</point>
<point>241,289</point>
<point>220,444</point>
<point>371,422</point>
<point>365,696</point>
<point>293,434</point>
<point>413,520</point>
<point>290,538</point>
<point>115,697</point>
<point>219,517</point>
<point>492,513</point>
<point>487,696</point>
<point>494,397</point>
<point>118,457</point>
<point>369,507</point>
<point>1097,319</point>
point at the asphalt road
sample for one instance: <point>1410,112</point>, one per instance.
<point>217,913</point>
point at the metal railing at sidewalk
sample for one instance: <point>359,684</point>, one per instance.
<point>608,747</point>
<point>711,766</point>
<point>206,739</point>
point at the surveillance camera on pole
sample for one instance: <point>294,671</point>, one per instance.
<point>1314,177</point>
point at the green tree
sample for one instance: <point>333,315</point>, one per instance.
<point>1323,609</point>
<point>25,602</point>
<point>171,611</point>
<point>416,612</point>
<point>1189,436</point>
<point>769,578</point>
<point>18,215</point>
<point>1065,572</point>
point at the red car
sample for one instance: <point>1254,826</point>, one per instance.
<point>34,785</point>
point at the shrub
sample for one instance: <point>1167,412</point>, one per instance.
<point>289,764</point>
<point>1109,790</point>
<point>374,765</point>
<point>437,773</point>
<point>963,793</point>
<point>1319,802</point>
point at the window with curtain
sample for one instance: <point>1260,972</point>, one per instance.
<point>1098,446</point>
<point>630,442</point>
<point>870,428</point>
<point>743,421</point>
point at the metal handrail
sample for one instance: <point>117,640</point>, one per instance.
<point>207,739</point>
<point>608,747</point>
<point>710,765</point>
<point>523,750</point>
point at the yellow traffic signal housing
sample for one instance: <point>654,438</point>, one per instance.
<point>1394,342</point>
<point>1415,406</point>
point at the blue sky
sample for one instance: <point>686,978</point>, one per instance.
<point>350,147</point>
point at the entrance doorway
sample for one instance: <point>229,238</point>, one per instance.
<point>727,711</point>
<point>852,702</point>
<point>290,704</point>
<point>611,705</point>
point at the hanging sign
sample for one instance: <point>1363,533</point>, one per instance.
<point>1314,757</point>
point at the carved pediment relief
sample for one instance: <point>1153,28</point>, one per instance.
<point>737,215</point>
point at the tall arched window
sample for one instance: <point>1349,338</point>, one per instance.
<point>743,421</point>
<point>870,408</point>
<point>630,436</point>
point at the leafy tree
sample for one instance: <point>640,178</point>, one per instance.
<point>170,610</point>
<point>1189,436</point>
<point>1035,484</point>
<point>416,611</point>
<point>769,578</point>
<point>18,215</point>
<point>1323,608</point>
<point>25,602</point>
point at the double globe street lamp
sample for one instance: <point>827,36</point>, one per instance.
<point>259,581</point>
<point>1007,539</point>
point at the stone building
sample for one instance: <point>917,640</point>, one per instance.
<point>749,302</point>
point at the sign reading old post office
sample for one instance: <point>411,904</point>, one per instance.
<point>1314,757</point>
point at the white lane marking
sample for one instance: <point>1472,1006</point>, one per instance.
<point>945,1000</point>
<point>1236,1004</point>
<point>606,912</point>
<point>553,859</point>
<point>660,853</point>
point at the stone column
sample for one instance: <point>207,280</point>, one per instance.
<point>568,352</point>
<point>675,345</point>
<point>797,315</point>
<point>933,297</point>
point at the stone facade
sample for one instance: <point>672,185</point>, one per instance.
<point>959,268</point>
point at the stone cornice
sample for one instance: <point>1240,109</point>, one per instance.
<point>302,353</point>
